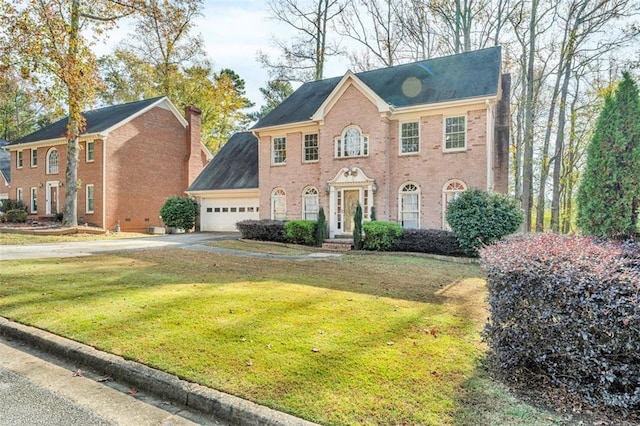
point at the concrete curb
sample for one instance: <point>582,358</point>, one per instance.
<point>223,406</point>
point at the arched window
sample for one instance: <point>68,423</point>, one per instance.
<point>52,161</point>
<point>450,192</point>
<point>352,143</point>
<point>409,206</point>
<point>310,203</point>
<point>278,204</point>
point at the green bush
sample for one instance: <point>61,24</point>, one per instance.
<point>16,216</point>
<point>380,236</point>
<point>300,232</point>
<point>8,204</point>
<point>321,228</point>
<point>478,218</point>
<point>179,212</point>
<point>357,228</point>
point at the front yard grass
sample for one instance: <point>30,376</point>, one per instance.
<point>10,238</point>
<point>351,340</point>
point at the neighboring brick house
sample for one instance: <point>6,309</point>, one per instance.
<point>133,156</point>
<point>5,170</point>
<point>401,141</point>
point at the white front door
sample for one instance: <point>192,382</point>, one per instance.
<point>52,198</point>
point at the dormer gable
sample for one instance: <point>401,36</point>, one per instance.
<point>348,80</point>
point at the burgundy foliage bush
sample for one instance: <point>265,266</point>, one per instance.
<point>263,230</point>
<point>567,308</point>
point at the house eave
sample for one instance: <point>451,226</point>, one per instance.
<point>225,193</point>
<point>56,141</point>
<point>481,100</point>
<point>257,130</point>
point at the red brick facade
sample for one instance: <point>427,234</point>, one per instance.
<point>134,169</point>
<point>379,176</point>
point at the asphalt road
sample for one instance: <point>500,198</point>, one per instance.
<point>87,248</point>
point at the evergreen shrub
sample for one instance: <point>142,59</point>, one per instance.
<point>321,228</point>
<point>434,241</point>
<point>380,235</point>
<point>357,228</point>
<point>8,204</point>
<point>300,232</point>
<point>179,212</point>
<point>567,308</point>
<point>263,230</point>
<point>15,216</point>
<point>478,218</point>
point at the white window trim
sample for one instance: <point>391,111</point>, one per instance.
<point>19,159</point>
<point>274,193</point>
<point>445,204</point>
<point>48,163</point>
<point>304,147</point>
<point>86,157</point>
<point>34,157</point>
<point>444,134</point>
<point>418,192</point>
<point>33,197</point>
<point>86,198</point>
<point>273,152</point>
<point>305,195</point>
<point>400,138</point>
<point>341,138</point>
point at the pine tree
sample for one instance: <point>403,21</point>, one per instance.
<point>608,196</point>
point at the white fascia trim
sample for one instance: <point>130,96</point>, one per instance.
<point>225,193</point>
<point>256,131</point>
<point>52,142</point>
<point>347,80</point>
<point>482,101</point>
<point>132,117</point>
<point>4,178</point>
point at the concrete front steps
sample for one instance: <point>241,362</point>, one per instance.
<point>338,244</point>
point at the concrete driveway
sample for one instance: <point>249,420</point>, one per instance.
<point>88,248</point>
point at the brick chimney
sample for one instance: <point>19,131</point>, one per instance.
<point>194,162</point>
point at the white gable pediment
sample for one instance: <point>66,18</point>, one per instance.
<point>350,79</point>
<point>350,176</point>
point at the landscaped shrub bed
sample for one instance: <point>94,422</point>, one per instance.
<point>300,232</point>
<point>567,308</point>
<point>15,216</point>
<point>379,235</point>
<point>434,241</point>
<point>263,230</point>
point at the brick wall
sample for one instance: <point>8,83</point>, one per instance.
<point>431,168</point>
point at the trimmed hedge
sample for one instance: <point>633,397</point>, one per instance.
<point>179,212</point>
<point>300,232</point>
<point>434,241</point>
<point>567,308</point>
<point>380,236</point>
<point>263,230</point>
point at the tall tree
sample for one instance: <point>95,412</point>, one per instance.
<point>55,55</point>
<point>609,193</point>
<point>273,94</point>
<point>304,55</point>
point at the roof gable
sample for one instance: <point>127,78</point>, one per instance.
<point>458,77</point>
<point>235,166</point>
<point>102,120</point>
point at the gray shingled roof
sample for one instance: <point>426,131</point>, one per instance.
<point>456,77</point>
<point>235,166</point>
<point>97,121</point>
<point>5,165</point>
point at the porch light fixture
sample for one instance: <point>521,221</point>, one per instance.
<point>374,187</point>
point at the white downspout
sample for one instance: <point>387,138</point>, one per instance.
<point>490,143</point>
<point>104,181</point>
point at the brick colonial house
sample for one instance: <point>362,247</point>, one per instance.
<point>132,157</point>
<point>400,141</point>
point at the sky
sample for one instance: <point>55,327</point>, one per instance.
<point>233,32</point>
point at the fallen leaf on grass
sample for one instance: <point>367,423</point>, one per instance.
<point>132,391</point>
<point>77,373</point>
<point>315,350</point>
<point>390,343</point>
<point>104,379</point>
<point>249,363</point>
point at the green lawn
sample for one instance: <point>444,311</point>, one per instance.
<point>351,340</point>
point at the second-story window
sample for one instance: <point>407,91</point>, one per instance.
<point>311,147</point>
<point>279,151</point>
<point>352,143</point>
<point>34,157</point>
<point>455,134</point>
<point>19,159</point>
<point>90,153</point>
<point>409,137</point>
<point>52,161</point>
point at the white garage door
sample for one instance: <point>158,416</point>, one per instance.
<point>222,214</point>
